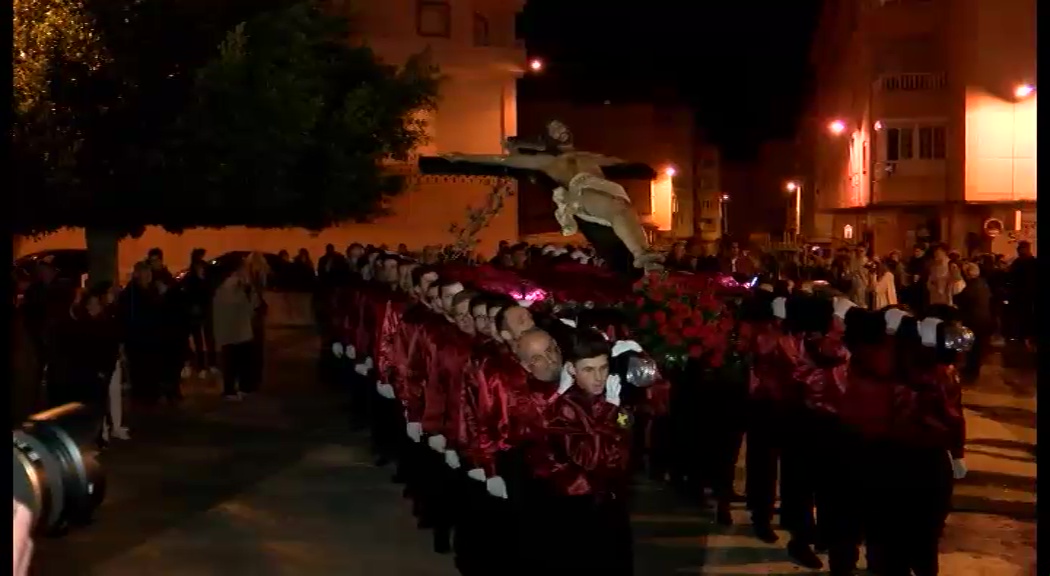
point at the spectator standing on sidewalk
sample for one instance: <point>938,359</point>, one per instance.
<point>173,329</point>
<point>975,312</point>
<point>258,279</point>
<point>155,257</point>
<point>233,309</point>
<point>139,320</point>
<point>86,349</point>
<point>197,294</point>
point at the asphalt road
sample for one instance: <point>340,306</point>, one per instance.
<point>280,485</point>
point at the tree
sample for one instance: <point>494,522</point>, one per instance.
<point>290,126</point>
<point>133,85</point>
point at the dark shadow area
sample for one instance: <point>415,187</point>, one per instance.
<point>1006,414</point>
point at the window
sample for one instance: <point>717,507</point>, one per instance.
<point>931,142</point>
<point>434,19</point>
<point>674,204</point>
<point>901,142</point>
<point>847,232</point>
<point>707,204</point>
<point>899,145</point>
<point>481,30</point>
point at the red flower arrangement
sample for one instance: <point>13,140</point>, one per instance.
<point>681,319</point>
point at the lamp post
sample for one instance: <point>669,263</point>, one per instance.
<point>723,205</point>
<point>796,189</point>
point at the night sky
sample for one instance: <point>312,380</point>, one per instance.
<point>742,65</point>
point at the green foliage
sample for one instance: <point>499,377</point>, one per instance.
<point>128,113</point>
<point>290,126</point>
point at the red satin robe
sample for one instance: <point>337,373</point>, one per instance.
<point>410,382</point>
<point>822,371</point>
<point>433,371</point>
<point>456,371</point>
<point>495,368</point>
<point>587,446</point>
<point>774,358</point>
<point>928,410</point>
<point>389,351</point>
<point>371,301</point>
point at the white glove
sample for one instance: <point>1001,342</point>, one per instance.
<point>361,369</point>
<point>452,459</point>
<point>414,431</point>
<point>369,364</point>
<point>959,469</point>
<point>497,487</point>
<point>337,349</point>
<point>350,351</point>
<point>385,390</point>
<point>437,442</point>
<point>476,474</point>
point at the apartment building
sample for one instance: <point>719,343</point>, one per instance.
<point>923,124</point>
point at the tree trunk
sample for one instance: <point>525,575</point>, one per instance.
<point>102,249</point>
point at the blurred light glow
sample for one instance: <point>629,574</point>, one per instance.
<point>1017,220</point>
<point>878,124</point>
<point>661,198</point>
<point>670,171</point>
<point>1023,91</point>
<point>837,127</point>
<point>536,65</point>
<point>725,197</point>
<point>792,186</point>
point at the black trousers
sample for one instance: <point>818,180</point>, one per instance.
<point>237,372</point>
<point>204,354</point>
<point>908,499</point>
<point>590,536</point>
<point>801,460</point>
<point>722,428</point>
<point>765,427</point>
<point>145,372</point>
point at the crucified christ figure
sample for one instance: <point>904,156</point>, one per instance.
<point>586,201</point>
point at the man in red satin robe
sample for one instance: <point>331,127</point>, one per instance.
<point>585,459</point>
<point>512,322</point>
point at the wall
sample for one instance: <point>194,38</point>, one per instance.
<point>476,110</point>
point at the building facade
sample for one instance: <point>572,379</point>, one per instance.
<point>924,122</point>
<point>473,42</point>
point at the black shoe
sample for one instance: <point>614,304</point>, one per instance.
<point>765,533</point>
<point>723,514</point>
<point>804,555</point>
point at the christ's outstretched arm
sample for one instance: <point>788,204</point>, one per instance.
<point>520,161</point>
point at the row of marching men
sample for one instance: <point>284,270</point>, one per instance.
<point>511,431</point>
<point>862,411</point>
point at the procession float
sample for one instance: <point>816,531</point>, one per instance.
<point>700,328</point>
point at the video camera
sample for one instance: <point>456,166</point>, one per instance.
<point>56,473</point>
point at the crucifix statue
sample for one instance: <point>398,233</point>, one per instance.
<point>585,200</point>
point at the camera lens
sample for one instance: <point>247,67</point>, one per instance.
<point>56,472</point>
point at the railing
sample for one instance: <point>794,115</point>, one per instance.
<point>913,82</point>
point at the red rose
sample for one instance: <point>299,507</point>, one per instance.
<point>660,316</point>
<point>691,332</point>
<point>640,302</point>
<point>695,351</point>
<point>643,320</point>
<point>716,360</point>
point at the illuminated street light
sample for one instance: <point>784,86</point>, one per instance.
<point>878,125</point>
<point>725,197</point>
<point>837,127</point>
<point>791,186</point>
<point>670,171</point>
<point>536,65</point>
<point>1024,91</point>
<point>796,189</point>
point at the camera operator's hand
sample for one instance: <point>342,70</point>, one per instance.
<point>23,543</point>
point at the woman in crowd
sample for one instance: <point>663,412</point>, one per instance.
<point>197,292</point>
<point>234,308</point>
<point>884,287</point>
<point>87,346</point>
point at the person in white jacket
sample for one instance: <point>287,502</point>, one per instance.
<point>233,309</point>
<point>884,287</point>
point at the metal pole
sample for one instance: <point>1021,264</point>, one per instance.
<point>798,212</point>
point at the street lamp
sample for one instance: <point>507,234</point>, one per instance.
<point>723,209</point>
<point>670,171</point>
<point>536,65</point>
<point>836,127</point>
<point>1023,91</point>
<point>796,189</point>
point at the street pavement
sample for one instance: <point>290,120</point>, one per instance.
<point>280,485</point>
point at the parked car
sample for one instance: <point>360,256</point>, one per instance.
<point>225,264</point>
<point>71,264</point>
